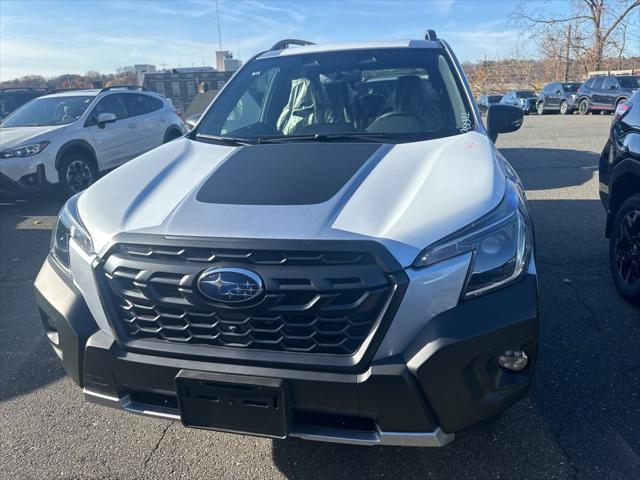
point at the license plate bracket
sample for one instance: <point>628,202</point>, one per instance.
<point>234,403</point>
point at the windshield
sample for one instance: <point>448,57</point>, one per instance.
<point>571,87</point>
<point>383,95</point>
<point>49,111</point>
<point>629,82</point>
<point>525,94</point>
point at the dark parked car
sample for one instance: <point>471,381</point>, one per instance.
<point>485,101</point>
<point>604,94</point>
<point>525,99</point>
<point>13,98</point>
<point>620,194</point>
<point>558,97</point>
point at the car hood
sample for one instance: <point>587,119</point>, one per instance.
<point>17,136</point>
<point>405,196</point>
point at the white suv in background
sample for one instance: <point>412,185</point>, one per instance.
<point>71,136</point>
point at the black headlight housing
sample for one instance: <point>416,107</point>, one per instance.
<point>69,228</point>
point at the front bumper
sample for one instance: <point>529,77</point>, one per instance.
<point>445,383</point>
<point>32,182</point>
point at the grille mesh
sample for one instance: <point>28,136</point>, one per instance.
<point>314,302</point>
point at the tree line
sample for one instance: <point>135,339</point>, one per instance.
<point>91,79</point>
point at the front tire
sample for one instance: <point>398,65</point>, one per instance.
<point>583,106</point>
<point>564,108</point>
<point>77,172</point>
<point>540,108</point>
<point>624,249</point>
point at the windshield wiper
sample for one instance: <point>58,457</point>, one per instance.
<point>236,142</point>
<point>329,137</point>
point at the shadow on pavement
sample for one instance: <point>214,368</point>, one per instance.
<point>551,168</point>
<point>27,362</point>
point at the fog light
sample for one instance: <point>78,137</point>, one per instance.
<point>513,360</point>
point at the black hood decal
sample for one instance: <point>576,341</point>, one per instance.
<point>285,174</point>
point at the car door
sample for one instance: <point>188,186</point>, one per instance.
<point>610,89</point>
<point>143,121</point>
<point>597,97</point>
<point>555,96</point>
<point>113,142</point>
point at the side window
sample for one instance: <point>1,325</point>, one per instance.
<point>610,82</point>
<point>156,103</point>
<point>588,83</point>
<point>597,83</point>
<point>137,104</point>
<point>109,104</point>
<point>249,108</point>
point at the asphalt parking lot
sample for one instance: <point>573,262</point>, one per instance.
<point>581,420</point>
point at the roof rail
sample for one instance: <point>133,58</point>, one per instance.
<point>282,44</point>
<point>58,90</point>
<point>431,35</point>
<point>125,87</point>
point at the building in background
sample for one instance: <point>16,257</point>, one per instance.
<point>225,61</point>
<point>180,85</point>
<point>141,69</point>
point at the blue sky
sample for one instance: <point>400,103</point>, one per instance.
<point>54,37</point>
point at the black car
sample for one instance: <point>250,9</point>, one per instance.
<point>13,98</point>
<point>525,99</point>
<point>604,94</point>
<point>485,101</point>
<point>620,194</point>
<point>558,97</point>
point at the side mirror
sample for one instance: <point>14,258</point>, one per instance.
<point>192,121</point>
<point>105,118</point>
<point>558,92</point>
<point>503,119</point>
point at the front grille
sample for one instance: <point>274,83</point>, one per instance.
<point>317,302</point>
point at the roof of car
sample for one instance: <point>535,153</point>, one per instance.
<point>75,93</point>
<point>334,47</point>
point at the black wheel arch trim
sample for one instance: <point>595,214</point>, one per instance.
<point>72,144</point>
<point>625,167</point>
<point>170,130</point>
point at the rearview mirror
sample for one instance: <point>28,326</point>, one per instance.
<point>192,121</point>
<point>105,118</point>
<point>503,119</point>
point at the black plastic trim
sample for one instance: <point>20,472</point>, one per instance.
<point>65,316</point>
<point>357,362</point>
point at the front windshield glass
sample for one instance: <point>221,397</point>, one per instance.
<point>629,82</point>
<point>525,94</point>
<point>386,94</point>
<point>49,111</point>
<point>571,87</point>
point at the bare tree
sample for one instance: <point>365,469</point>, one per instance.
<point>593,29</point>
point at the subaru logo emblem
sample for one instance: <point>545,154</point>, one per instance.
<point>229,285</point>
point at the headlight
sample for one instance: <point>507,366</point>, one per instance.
<point>26,151</point>
<point>500,243</point>
<point>69,227</point>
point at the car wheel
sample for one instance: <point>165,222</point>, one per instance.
<point>564,108</point>
<point>541,108</point>
<point>624,249</point>
<point>77,172</point>
<point>583,107</point>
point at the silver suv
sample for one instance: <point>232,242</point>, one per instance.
<point>336,251</point>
